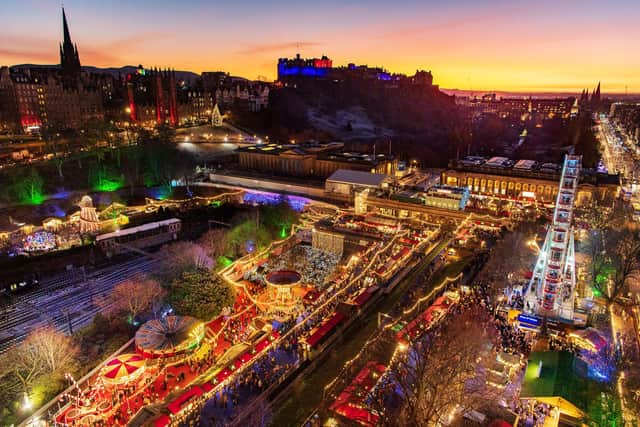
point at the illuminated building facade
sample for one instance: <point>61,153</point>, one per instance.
<point>294,70</point>
<point>300,67</point>
<point>158,97</point>
<point>447,197</point>
<point>311,159</point>
<point>61,97</point>
<point>523,109</point>
<point>152,96</point>
<point>499,177</point>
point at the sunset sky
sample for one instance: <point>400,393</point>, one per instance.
<point>513,45</point>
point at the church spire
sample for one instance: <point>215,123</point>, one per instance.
<point>69,58</point>
<point>65,29</point>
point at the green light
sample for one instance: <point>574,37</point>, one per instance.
<point>283,232</point>
<point>107,185</point>
<point>106,180</point>
<point>34,198</point>
<point>28,189</point>
<point>224,261</point>
<point>216,203</point>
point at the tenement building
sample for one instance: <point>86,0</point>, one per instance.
<point>311,159</point>
<point>61,97</point>
<point>524,109</point>
<point>524,179</point>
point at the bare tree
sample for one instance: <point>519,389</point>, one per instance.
<point>134,296</point>
<point>615,264</point>
<point>44,351</point>
<point>214,242</point>
<point>445,375</point>
<point>182,256</point>
<point>514,253</point>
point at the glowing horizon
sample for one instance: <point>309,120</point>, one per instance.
<point>513,46</point>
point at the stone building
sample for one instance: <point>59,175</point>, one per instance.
<point>311,159</point>
<point>540,183</point>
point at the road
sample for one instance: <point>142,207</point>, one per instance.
<point>617,153</point>
<point>65,300</point>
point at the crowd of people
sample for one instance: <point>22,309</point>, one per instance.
<point>280,360</point>
<point>533,414</point>
<point>313,265</point>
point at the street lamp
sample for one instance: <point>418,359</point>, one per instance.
<point>26,404</point>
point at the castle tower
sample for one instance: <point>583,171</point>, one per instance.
<point>69,58</point>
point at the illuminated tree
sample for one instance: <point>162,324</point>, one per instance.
<point>133,297</point>
<point>513,254</point>
<point>45,351</point>
<point>27,187</point>
<point>104,177</point>
<point>446,375</point>
<point>200,293</point>
<point>53,146</point>
<point>615,265</point>
<point>605,410</point>
<point>247,237</point>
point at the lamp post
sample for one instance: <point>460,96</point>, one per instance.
<point>26,404</point>
<point>127,123</point>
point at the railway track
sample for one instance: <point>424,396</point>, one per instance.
<point>66,302</point>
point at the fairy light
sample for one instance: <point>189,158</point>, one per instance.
<point>311,215</point>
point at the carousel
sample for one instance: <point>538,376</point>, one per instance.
<point>169,336</point>
<point>282,287</point>
<point>123,369</point>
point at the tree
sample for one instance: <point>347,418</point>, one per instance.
<point>53,146</point>
<point>246,237</point>
<point>214,242</point>
<point>604,214</point>
<point>511,255</point>
<point>182,256</point>
<point>133,297</point>
<point>27,188</point>
<point>445,373</point>
<point>45,351</point>
<point>200,294</point>
<point>615,265</point>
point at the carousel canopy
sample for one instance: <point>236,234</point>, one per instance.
<point>123,368</point>
<point>169,335</point>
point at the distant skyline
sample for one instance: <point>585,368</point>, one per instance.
<point>524,46</point>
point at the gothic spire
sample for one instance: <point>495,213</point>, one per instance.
<point>65,29</point>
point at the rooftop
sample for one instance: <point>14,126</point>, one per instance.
<point>358,178</point>
<point>528,169</point>
<point>555,374</point>
<point>323,150</point>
